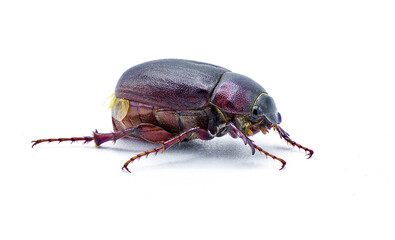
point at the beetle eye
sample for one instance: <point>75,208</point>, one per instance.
<point>255,112</point>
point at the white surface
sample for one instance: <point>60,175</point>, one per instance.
<point>328,65</point>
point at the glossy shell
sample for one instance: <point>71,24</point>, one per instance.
<point>236,93</point>
<point>170,83</point>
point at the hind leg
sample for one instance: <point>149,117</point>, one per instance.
<point>146,131</point>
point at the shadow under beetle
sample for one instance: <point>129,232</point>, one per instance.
<point>172,100</point>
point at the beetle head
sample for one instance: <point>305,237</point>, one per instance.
<point>265,108</point>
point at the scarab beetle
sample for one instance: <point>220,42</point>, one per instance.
<point>172,100</point>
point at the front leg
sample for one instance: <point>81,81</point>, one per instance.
<point>252,145</point>
<point>285,136</point>
<point>241,135</point>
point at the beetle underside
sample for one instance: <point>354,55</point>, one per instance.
<point>128,120</point>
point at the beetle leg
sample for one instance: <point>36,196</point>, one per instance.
<point>271,155</point>
<point>285,136</point>
<point>241,135</point>
<point>167,144</point>
<point>97,137</point>
<point>253,146</point>
<point>73,139</point>
<point>146,131</point>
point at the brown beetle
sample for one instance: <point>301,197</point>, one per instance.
<point>169,101</point>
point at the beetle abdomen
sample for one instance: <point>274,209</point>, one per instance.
<point>179,121</point>
<point>173,121</point>
<point>134,114</point>
<point>170,83</point>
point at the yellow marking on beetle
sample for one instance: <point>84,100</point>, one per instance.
<point>249,132</point>
<point>256,101</point>
<point>223,115</point>
<point>112,101</point>
<point>120,108</point>
<point>109,101</point>
<point>264,130</point>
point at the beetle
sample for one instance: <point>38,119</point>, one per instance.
<point>169,101</point>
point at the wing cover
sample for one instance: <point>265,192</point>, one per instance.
<point>170,83</point>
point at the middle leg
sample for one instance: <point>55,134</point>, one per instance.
<point>201,133</point>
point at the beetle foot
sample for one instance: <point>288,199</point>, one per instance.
<point>138,156</point>
<point>283,162</point>
<point>126,168</point>
<point>35,142</point>
<point>285,136</point>
<point>310,153</point>
<point>59,140</point>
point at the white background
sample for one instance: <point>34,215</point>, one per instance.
<point>328,64</point>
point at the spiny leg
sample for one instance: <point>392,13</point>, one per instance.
<point>97,137</point>
<point>73,139</point>
<point>241,135</point>
<point>167,144</point>
<point>146,131</point>
<point>285,136</point>
<point>253,146</point>
<point>272,156</point>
